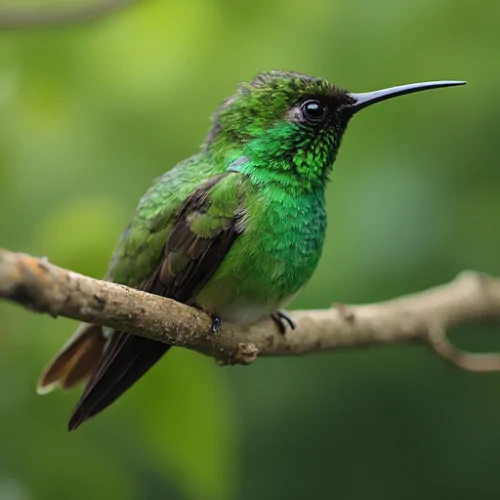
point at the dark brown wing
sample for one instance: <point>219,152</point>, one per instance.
<point>194,249</point>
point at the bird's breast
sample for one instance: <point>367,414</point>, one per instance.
<point>277,253</point>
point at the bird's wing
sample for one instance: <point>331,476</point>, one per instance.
<point>207,225</point>
<point>135,259</point>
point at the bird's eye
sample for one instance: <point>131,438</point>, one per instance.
<point>313,111</point>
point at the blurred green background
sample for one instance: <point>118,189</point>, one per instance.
<point>90,115</point>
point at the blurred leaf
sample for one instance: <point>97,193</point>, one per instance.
<point>186,420</point>
<point>40,454</point>
<point>81,231</point>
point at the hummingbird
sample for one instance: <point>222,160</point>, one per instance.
<point>235,230</point>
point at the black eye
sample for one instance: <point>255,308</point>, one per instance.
<point>313,111</point>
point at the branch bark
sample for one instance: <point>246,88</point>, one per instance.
<point>44,17</point>
<point>471,297</point>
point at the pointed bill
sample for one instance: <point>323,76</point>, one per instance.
<point>368,98</point>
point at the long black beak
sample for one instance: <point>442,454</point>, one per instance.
<point>368,98</point>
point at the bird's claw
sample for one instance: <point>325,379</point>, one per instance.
<point>215,324</point>
<point>282,320</point>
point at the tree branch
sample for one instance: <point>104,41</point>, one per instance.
<point>44,17</point>
<point>45,288</point>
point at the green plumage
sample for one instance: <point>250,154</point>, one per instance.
<point>235,230</point>
<point>244,279</point>
<point>277,171</point>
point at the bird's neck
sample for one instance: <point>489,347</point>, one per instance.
<point>297,164</point>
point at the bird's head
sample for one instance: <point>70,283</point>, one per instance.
<point>287,127</point>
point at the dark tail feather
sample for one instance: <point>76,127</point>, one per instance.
<point>126,359</point>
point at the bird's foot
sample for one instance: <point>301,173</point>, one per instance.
<point>282,319</point>
<point>215,324</point>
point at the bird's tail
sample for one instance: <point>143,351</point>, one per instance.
<point>126,359</point>
<point>75,361</point>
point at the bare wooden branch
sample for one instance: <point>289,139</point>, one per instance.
<point>425,316</point>
<point>57,15</point>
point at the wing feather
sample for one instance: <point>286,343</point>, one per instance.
<point>205,229</point>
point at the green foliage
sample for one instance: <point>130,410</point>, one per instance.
<point>90,115</point>
<point>190,429</point>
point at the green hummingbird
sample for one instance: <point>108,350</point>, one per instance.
<point>235,230</point>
